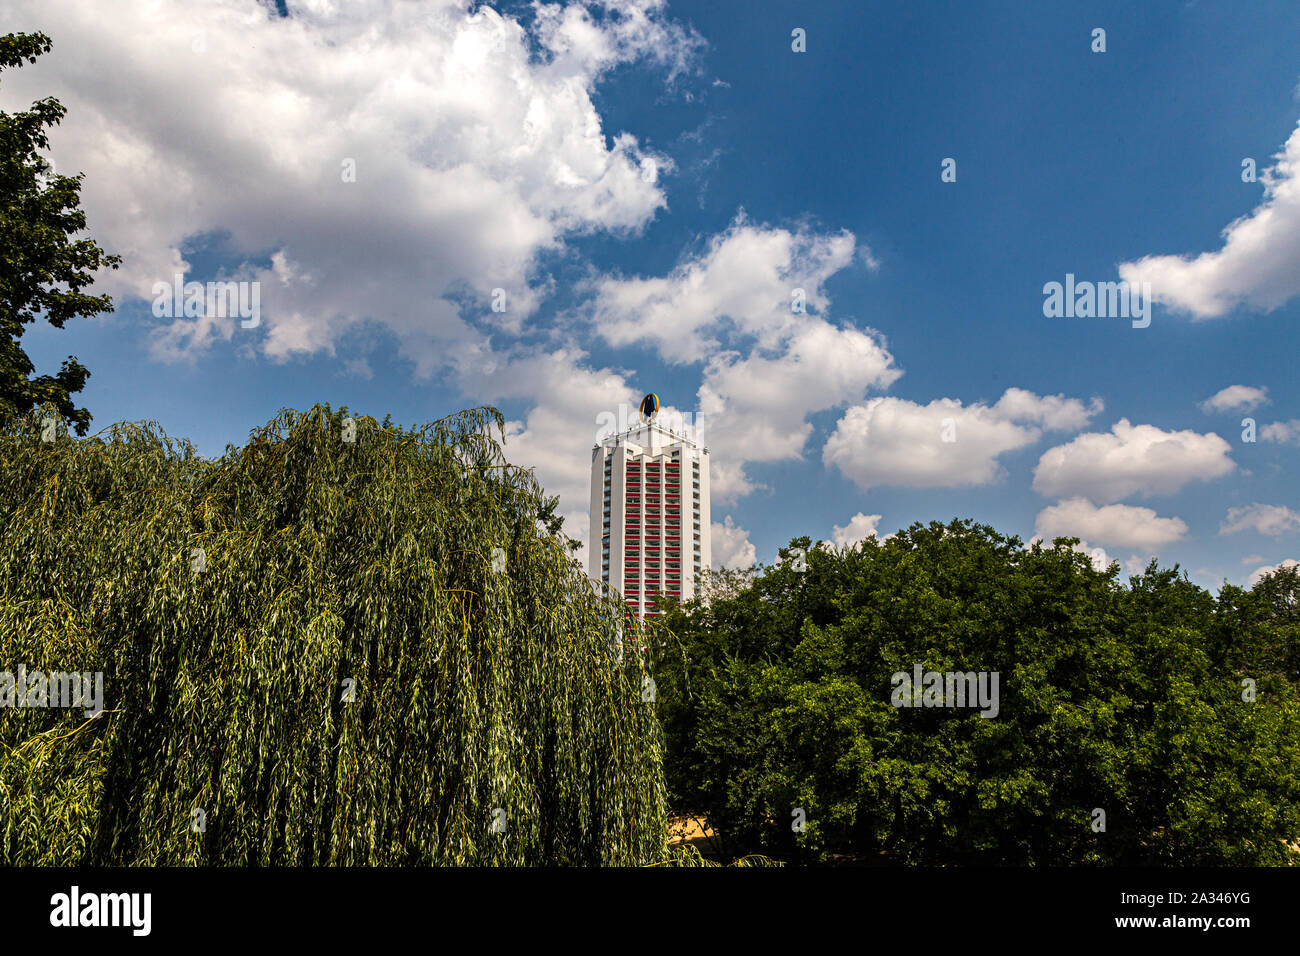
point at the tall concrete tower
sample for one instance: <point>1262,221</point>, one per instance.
<point>649,512</point>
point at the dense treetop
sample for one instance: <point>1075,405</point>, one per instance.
<point>1172,711</point>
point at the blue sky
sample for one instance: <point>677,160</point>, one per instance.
<point>648,182</point>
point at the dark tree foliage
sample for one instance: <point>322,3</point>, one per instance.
<point>1132,700</point>
<point>43,269</point>
<point>353,652</point>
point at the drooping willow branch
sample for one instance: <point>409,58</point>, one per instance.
<point>308,664</point>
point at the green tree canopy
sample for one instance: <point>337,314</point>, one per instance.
<point>43,268</point>
<point>345,643</point>
<point>1130,700</point>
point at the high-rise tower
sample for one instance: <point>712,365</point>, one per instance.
<point>649,513</point>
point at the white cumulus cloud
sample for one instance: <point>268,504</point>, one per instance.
<point>476,147</point>
<point>1235,398</point>
<point>756,406</point>
<point>1052,412</point>
<point>1136,564</point>
<point>731,546</point>
<point>744,283</point>
<point>1273,520</point>
<point>1122,526</point>
<point>1130,459</point>
<point>860,527</point>
<point>1256,267</point>
<point>766,366</point>
<point>1282,433</point>
<point>1267,569</point>
<point>944,444</point>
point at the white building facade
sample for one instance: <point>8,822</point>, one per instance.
<point>649,515</point>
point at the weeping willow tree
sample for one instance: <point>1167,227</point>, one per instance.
<point>344,643</point>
